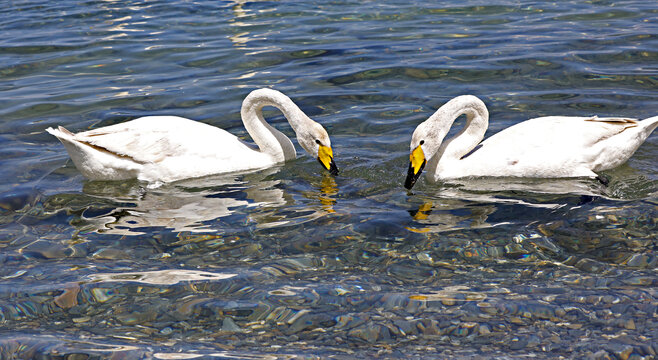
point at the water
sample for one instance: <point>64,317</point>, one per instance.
<point>291,262</point>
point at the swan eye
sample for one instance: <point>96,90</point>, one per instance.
<point>422,142</point>
<point>318,142</point>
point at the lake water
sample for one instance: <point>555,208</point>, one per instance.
<point>291,262</point>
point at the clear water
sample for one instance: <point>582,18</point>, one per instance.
<point>291,262</point>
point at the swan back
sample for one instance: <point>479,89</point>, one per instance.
<point>157,148</point>
<point>552,147</point>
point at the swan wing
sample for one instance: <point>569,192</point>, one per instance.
<point>549,147</point>
<point>614,121</point>
<point>545,133</point>
<point>155,138</point>
<point>158,148</point>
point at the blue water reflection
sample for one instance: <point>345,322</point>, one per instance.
<point>290,261</point>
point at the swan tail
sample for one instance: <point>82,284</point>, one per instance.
<point>61,133</point>
<point>63,130</point>
<point>649,124</point>
<point>66,137</point>
<point>95,162</point>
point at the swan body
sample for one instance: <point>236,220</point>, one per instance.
<point>170,148</point>
<point>545,147</point>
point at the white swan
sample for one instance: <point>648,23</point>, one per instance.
<point>170,148</point>
<point>545,147</point>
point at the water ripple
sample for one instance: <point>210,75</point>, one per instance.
<point>289,262</point>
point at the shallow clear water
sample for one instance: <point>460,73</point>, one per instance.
<point>290,261</point>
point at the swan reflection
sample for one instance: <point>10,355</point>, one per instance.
<point>327,190</point>
<point>531,186</point>
<point>468,203</point>
<point>321,205</point>
<point>182,206</point>
<point>451,214</point>
<point>196,205</point>
<point>160,277</point>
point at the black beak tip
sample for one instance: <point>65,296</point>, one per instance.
<point>333,169</point>
<point>413,177</point>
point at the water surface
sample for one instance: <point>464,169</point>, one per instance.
<point>291,262</point>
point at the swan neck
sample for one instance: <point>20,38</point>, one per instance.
<point>270,140</point>
<point>477,121</point>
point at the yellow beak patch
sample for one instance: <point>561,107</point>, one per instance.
<point>325,155</point>
<point>417,159</point>
<point>416,165</point>
<point>326,158</point>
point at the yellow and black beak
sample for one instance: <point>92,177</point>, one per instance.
<point>326,158</point>
<point>416,164</point>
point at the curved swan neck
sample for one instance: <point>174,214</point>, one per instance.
<point>270,140</point>
<point>477,121</point>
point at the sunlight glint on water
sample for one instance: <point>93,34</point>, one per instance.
<point>291,261</point>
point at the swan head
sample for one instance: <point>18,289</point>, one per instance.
<point>425,142</point>
<point>310,135</point>
<point>315,140</point>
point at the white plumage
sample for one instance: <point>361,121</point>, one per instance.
<point>170,148</point>
<point>545,147</point>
